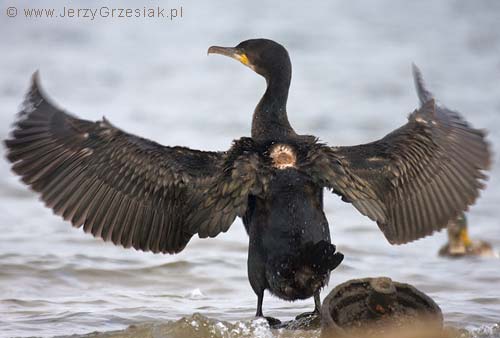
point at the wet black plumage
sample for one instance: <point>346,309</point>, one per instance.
<point>138,193</point>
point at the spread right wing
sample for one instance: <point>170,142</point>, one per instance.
<point>416,178</point>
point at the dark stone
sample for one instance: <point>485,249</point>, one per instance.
<point>371,306</point>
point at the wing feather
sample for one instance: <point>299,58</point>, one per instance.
<point>415,179</point>
<point>126,189</point>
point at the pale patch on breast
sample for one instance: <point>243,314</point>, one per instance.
<point>283,156</point>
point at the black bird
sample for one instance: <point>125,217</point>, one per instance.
<point>461,245</point>
<point>138,193</point>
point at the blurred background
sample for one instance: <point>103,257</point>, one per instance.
<point>151,76</point>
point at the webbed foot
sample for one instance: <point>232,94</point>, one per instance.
<point>307,315</point>
<point>308,320</point>
<point>273,322</point>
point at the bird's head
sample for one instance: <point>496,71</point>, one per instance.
<point>265,57</point>
<point>458,234</point>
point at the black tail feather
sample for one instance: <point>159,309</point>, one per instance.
<point>324,258</point>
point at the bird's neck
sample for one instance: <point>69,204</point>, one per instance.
<point>270,120</point>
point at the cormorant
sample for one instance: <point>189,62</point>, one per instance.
<point>460,244</point>
<point>138,193</point>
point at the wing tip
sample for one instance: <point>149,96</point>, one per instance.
<point>423,94</point>
<point>35,86</point>
<point>27,107</point>
<point>33,97</point>
<point>35,78</point>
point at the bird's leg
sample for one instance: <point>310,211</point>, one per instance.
<point>260,299</point>
<point>317,302</point>
<point>273,322</point>
<point>317,307</point>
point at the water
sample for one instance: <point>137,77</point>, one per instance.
<point>351,84</point>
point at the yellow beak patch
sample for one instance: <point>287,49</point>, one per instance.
<point>243,59</point>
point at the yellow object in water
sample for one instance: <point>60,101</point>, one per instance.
<point>460,244</point>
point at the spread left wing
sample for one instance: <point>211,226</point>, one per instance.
<point>124,188</point>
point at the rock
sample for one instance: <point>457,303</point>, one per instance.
<point>375,307</point>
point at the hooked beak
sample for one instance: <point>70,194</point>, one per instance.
<point>232,52</point>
